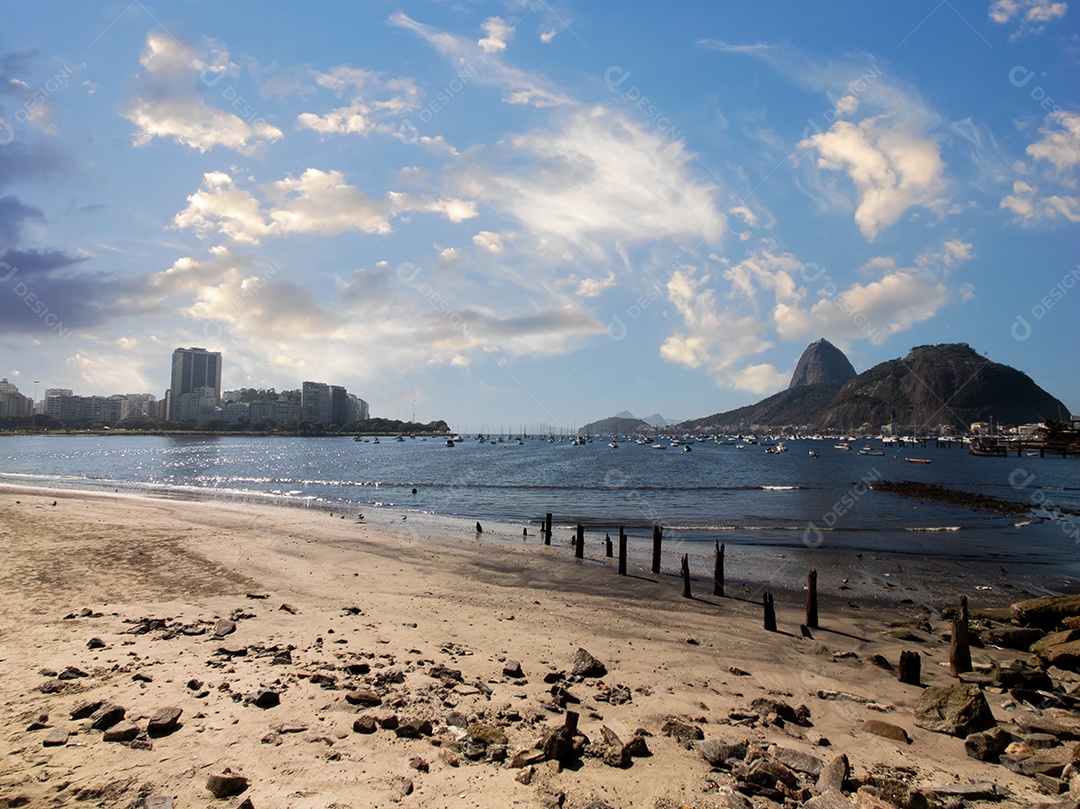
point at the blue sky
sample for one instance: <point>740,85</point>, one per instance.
<point>506,213</point>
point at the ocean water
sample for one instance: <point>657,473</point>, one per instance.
<point>745,498</point>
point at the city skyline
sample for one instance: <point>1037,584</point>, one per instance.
<point>498,213</point>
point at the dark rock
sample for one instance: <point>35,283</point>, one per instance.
<point>418,764</point>
<point>122,731</point>
<point>226,784</point>
<point>637,748</point>
<point>363,696</point>
<point>1012,637</point>
<point>164,721</point>
<point>834,774</point>
<point>886,730</point>
<point>683,732</point>
<point>830,799</point>
<point>447,675</point>
<point>585,665</point>
<point>987,745</point>
<point>512,669</point>
<point>766,706</point>
<point>357,669</point>
<point>413,729</point>
<point>719,751</point>
<point>1062,724</point>
<point>224,627</point>
<point>881,662</point>
<point>71,673</point>
<point>95,643</point>
<point>364,724</point>
<point>40,723</point>
<point>106,716</point>
<point>263,698</point>
<point>553,677</point>
<point>526,758</point>
<point>472,749</point>
<point>822,363</point>
<point>194,685</point>
<point>388,721</point>
<point>57,737</point>
<point>1048,762</point>
<point>85,709</point>
<point>958,710</point>
<point>232,650</point>
<point>798,761</point>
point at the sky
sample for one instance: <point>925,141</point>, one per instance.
<point>534,213</point>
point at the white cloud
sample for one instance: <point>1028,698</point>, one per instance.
<point>1060,142</point>
<point>498,34</point>
<point>1030,210</point>
<point>1029,12</point>
<point>594,287</point>
<point>486,240</point>
<point>760,379</point>
<point>547,36</point>
<point>170,104</point>
<point>374,105</point>
<point>315,202</point>
<point>596,181</point>
<point>893,168</point>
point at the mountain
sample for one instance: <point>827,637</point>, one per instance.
<point>932,385</point>
<point>615,425</point>
<point>822,364</point>
<point>656,420</point>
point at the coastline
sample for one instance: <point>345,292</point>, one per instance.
<point>424,598</point>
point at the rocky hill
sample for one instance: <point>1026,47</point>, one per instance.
<point>822,364</point>
<point>932,385</point>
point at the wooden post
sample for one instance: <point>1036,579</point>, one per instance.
<point>959,650</point>
<point>686,576</point>
<point>622,551</point>
<point>547,529</point>
<point>811,599</point>
<point>607,546</point>
<point>657,539</point>
<point>718,569</point>
<point>579,543</point>
<point>910,668</point>
<point>770,612</point>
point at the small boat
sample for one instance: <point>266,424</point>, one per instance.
<point>869,450</point>
<point>449,442</point>
<point>376,441</point>
<point>917,460</point>
<point>686,447</point>
<point>843,445</point>
<point>814,453</point>
<point>987,450</point>
<point>613,445</point>
<point>658,446</point>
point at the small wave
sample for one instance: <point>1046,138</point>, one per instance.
<point>779,488</point>
<point>1022,523</point>
<point>935,529</point>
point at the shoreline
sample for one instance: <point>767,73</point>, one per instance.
<point>355,606</point>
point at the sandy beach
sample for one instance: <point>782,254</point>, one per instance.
<point>275,631</point>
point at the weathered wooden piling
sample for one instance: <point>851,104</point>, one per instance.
<point>910,668</point>
<point>657,541</point>
<point>607,546</point>
<point>686,576</point>
<point>959,648</point>
<point>622,551</point>
<point>547,529</point>
<point>811,599</point>
<point>718,569</point>
<point>579,542</point>
<point>770,612</point>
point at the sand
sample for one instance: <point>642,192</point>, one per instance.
<point>340,593</point>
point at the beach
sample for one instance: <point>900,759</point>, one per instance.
<point>274,630</point>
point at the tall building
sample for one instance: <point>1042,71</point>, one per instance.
<point>192,369</point>
<point>13,403</point>
<point>315,402</point>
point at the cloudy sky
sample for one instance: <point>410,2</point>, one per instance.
<point>507,213</point>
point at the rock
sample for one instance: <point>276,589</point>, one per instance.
<point>1012,637</point>
<point>585,665</point>
<point>798,761</point>
<point>364,724</point>
<point>834,774</point>
<point>363,696</point>
<point>40,723</point>
<point>987,745</point>
<point>486,734</point>
<point>512,669</point>
<point>95,643</point>
<point>123,731</point>
<point>232,650</point>
<point>450,757</point>
<point>832,799</point>
<point>1063,655</point>
<point>719,751</point>
<point>906,634</point>
<point>57,737</point>
<point>472,749</point>
<point>224,627</point>
<point>71,673</point>
<point>85,709</point>
<point>1064,725</point>
<point>868,798</point>
<point>684,733</point>
<point>886,730</point>
<point>637,748</point>
<point>881,662</point>
<point>164,721</point>
<point>419,764</point>
<point>979,791</point>
<point>106,716</point>
<point>958,710</point>
<point>1048,762</point>
<point>159,802</point>
<point>1046,612</point>
<point>766,706</point>
<point>413,729</point>
<point>226,784</point>
<point>387,721</point>
<point>263,698</point>
<point>526,758</point>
